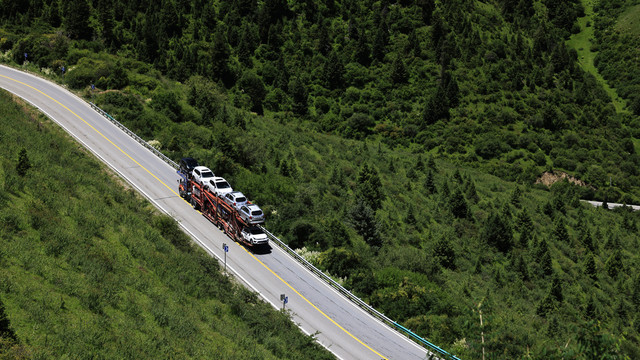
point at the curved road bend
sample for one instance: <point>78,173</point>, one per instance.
<point>345,329</point>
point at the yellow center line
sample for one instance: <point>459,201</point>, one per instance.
<point>170,189</point>
<point>310,303</point>
<point>94,129</point>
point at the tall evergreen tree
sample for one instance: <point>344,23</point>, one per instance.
<point>497,233</point>
<point>333,72</point>
<point>364,222</point>
<point>299,95</point>
<point>23,164</point>
<point>369,187</point>
<point>76,19</point>
<point>399,73</point>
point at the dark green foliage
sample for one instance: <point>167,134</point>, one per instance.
<point>253,86</point>
<point>544,258</point>
<point>299,96</point>
<point>76,19</point>
<point>369,188</point>
<point>364,222</point>
<point>23,165</point>
<point>497,232</point>
<point>399,73</point>
<point>444,254</point>
<point>459,207</point>
<point>429,185</point>
<point>590,267</point>
<point>560,232</point>
<point>596,342</point>
<point>524,225</point>
<point>614,264</point>
<point>340,261</point>
<point>5,325</point>
<point>333,72</point>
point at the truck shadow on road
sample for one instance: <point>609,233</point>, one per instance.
<point>259,250</point>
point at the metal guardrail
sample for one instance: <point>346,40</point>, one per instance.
<point>356,300</point>
<point>134,136</point>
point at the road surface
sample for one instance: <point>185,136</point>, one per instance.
<point>342,327</point>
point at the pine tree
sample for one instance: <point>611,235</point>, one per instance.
<point>520,266</point>
<point>515,197</point>
<point>443,252</point>
<point>362,54</point>
<point>369,187</point>
<point>471,193</point>
<point>23,164</point>
<point>614,264</point>
<point>364,222</point>
<point>587,240</point>
<point>524,225</point>
<point>556,288</point>
<point>560,232</point>
<point>76,19</point>
<point>590,267</point>
<point>333,72</point>
<point>458,205</point>
<point>253,86</point>
<point>429,184</point>
<point>497,233</point>
<point>299,95</point>
<point>399,74</point>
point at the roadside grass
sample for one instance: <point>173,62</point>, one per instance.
<point>629,21</point>
<point>90,270</point>
<point>582,42</point>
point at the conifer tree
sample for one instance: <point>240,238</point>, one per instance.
<point>497,233</point>
<point>299,95</point>
<point>590,267</point>
<point>459,207</point>
<point>23,164</point>
<point>369,187</point>
<point>429,184</point>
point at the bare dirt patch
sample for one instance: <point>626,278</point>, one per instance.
<point>549,178</point>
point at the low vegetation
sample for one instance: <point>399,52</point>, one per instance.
<point>89,269</point>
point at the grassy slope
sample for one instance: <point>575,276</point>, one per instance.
<point>89,270</point>
<point>629,21</point>
<point>582,43</point>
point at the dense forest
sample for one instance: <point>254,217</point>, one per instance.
<point>395,144</point>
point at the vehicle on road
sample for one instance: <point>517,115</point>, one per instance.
<point>219,186</point>
<point>254,235</point>
<point>202,174</point>
<point>187,165</point>
<point>251,213</point>
<point>217,209</point>
<point>235,199</point>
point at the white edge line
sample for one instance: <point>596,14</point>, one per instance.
<point>398,334</point>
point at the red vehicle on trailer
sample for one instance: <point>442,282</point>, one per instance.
<point>221,214</point>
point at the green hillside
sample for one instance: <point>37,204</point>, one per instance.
<point>88,269</point>
<point>396,144</point>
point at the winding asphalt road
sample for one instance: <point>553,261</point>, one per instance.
<point>340,326</point>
